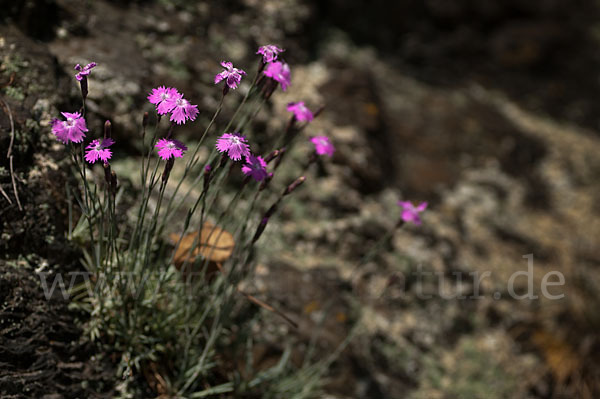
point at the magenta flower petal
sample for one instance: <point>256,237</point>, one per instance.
<point>255,167</point>
<point>71,130</point>
<point>410,213</point>
<point>300,111</point>
<point>234,144</point>
<point>84,71</point>
<point>168,148</point>
<point>98,149</point>
<point>279,72</point>
<point>269,52</point>
<point>164,99</point>
<point>232,75</point>
<point>323,146</point>
<point>181,110</point>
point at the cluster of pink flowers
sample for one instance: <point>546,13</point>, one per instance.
<point>236,146</point>
<point>168,99</point>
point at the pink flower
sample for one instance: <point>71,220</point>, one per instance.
<point>255,167</point>
<point>160,95</point>
<point>73,129</point>
<point>300,111</point>
<point>279,72</point>
<point>410,213</point>
<point>269,52</point>
<point>168,148</point>
<point>84,71</point>
<point>232,75</point>
<point>98,149</point>
<point>234,144</point>
<point>181,110</point>
<point>323,145</point>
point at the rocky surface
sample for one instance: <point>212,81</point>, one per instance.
<point>493,122</point>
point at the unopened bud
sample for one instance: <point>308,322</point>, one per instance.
<point>107,129</point>
<point>107,173</point>
<point>279,157</point>
<point>260,229</point>
<point>168,167</point>
<point>113,181</point>
<point>265,181</point>
<point>84,87</point>
<point>294,185</point>
<point>318,111</point>
<point>207,175</point>
<point>145,120</point>
<point>271,156</point>
<point>271,210</point>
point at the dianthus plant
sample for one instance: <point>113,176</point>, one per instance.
<point>165,260</point>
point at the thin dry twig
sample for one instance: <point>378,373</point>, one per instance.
<point>12,126</point>
<point>9,154</point>
<point>270,308</point>
<point>262,304</point>
<point>5,195</point>
<point>12,176</point>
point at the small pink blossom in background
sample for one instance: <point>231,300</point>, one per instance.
<point>255,167</point>
<point>160,95</point>
<point>300,111</point>
<point>234,144</point>
<point>269,52</point>
<point>98,149</point>
<point>279,72</point>
<point>182,110</point>
<point>71,130</point>
<point>323,146</point>
<point>168,148</point>
<point>410,213</point>
<point>84,71</point>
<point>232,75</point>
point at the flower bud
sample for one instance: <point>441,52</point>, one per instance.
<point>84,87</point>
<point>271,156</point>
<point>260,229</point>
<point>294,185</point>
<point>265,182</point>
<point>107,129</point>
<point>168,166</point>
<point>145,120</point>
<point>207,176</point>
<point>113,181</point>
<point>279,157</point>
<point>107,173</point>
